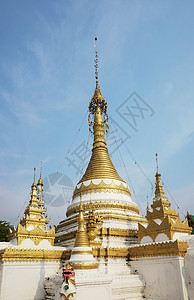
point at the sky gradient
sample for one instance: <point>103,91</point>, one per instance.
<point>146,57</point>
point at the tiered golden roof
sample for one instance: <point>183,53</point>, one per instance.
<point>161,205</point>
<point>162,220</point>
<point>100,165</point>
<point>33,224</point>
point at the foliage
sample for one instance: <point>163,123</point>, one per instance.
<point>4,230</point>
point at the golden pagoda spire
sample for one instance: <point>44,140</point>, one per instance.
<point>81,236</point>
<point>163,222</point>
<point>100,165</point>
<point>157,161</point>
<point>33,187</point>
<point>159,190</point>
<point>40,182</point>
<point>81,255</point>
<point>34,183</point>
<point>96,62</point>
<point>40,191</point>
<point>147,204</point>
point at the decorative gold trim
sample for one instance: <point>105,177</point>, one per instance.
<point>105,215</point>
<point>103,205</point>
<point>170,222</point>
<point>94,222</point>
<point>21,254</point>
<point>36,235</point>
<point>85,266</point>
<point>167,226</point>
<point>67,297</point>
<point>103,231</point>
<point>84,252</point>
<point>123,217</point>
<point>110,252</point>
<point>171,248</point>
<point>101,187</point>
<point>117,232</point>
<point>164,210</point>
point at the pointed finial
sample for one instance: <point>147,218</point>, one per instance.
<point>157,161</point>
<point>96,62</point>
<point>80,204</point>
<point>34,183</point>
<point>34,174</point>
<point>41,169</point>
<point>40,181</point>
<point>147,203</point>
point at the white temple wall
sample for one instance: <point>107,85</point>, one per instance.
<point>114,266</point>
<point>93,285</point>
<point>164,277</point>
<point>24,280</point>
<point>189,268</point>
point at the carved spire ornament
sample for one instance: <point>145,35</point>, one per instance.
<point>33,225</point>
<point>40,181</point>
<point>82,256</point>
<point>159,193</point>
<point>81,236</point>
<point>163,223</point>
<point>100,165</point>
<point>101,187</point>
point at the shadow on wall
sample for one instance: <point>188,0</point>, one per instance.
<point>40,292</point>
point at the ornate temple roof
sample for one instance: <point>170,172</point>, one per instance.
<point>163,223</point>
<point>33,224</point>
<point>100,165</point>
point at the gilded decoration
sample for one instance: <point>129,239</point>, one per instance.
<point>110,252</point>
<point>33,224</point>
<point>171,248</point>
<point>103,205</point>
<point>94,221</point>
<point>81,239</point>
<point>168,227</point>
<point>101,187</point>
<point>100,165</point>
<point>68,296</point>
<point>82,246</point>
<point>36,235</point>
<point>101,232</point>
<point>118,232</point>
<point>107,215</point>
<point>82,252</point>
<point>23,254</point>
<point>161,220</point>
<point>85,266</point>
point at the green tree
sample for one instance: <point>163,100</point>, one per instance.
<point>4,230</point>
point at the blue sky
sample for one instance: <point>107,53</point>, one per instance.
<point>47,81</point>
